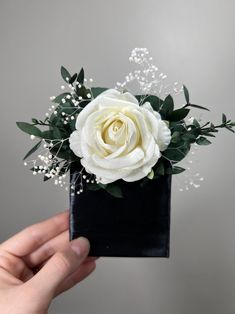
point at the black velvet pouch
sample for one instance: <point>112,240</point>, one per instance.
<point>137,225</point>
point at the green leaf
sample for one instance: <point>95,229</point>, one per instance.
<point>32,150</point>
<point>35,121</point>
<point>155,101</point>
<point>93,187</point>
<point>56,133</point>
<point>65,74</point>
<point>29,128</point>
<point>232,123</point>
<point>97,90</point>
<point>73,78</point>
<point>60,97</point>
<point>175,137</point>
<point>80,77</point>
<point>203,141</point>
<point>114,190</point>
<point>48,135</point>
<point>177,170</point>
<point>178,114</point>
<point>224,118</point>
<point>167,106</point>
<point>177,153</point>
<point>197,106</point>
<point>229,128</point>
<point>186,94</point>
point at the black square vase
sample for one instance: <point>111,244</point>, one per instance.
<point>137,225</point>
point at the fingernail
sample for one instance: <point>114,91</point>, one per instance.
<point>80,246</point>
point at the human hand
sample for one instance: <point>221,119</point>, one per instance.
<point>39,263</point>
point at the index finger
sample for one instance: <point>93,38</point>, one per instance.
<point>32,237</point>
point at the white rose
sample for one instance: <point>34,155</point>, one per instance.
<point>118,139</point>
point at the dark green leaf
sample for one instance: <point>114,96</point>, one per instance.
<point>93,187</point>
<point>196,123</point>
<point>178,114</point>
<point>155,101</point>
<point>48,135</point>
<point>80,78</point>
<point>60,97</point>
<point>177,170</point>
<point>114,190</point>
<point>203,141</point>
<point>229,128</point>
<point>29,128</point>
<point>95,91</point>
<point>175,137</point>
<point>32,150</point>
<point>35,121</point>
<point>177,153</point>
<point>186,94</point>
<point>56,133</point>
<point>73,78</point>
<point>232,123</point>
<point>167,106</point>
<point>224,118</point>
<point>65,74</point>
<point>197,106</point>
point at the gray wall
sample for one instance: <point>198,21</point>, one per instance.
<point>193,42</point>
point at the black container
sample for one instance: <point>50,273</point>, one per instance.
<point>137,225</point>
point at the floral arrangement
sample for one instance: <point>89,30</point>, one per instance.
<point>115,137</point>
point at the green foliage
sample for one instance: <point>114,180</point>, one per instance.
<point>32,150</point>
<point>80,77</point>
<point>178,115</point>
<point>29,128</point>
<point>177,170</point>
<point>113,189</point>
<point>59,98</point>
<point>186,94</point>
<point>95,91</point>
<point>203,141</point>
<point>65,74</point>
<point>183,134</point>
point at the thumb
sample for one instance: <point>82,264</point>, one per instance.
<point>60,266</point>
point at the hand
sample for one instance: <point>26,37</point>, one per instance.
<point>39,263</point>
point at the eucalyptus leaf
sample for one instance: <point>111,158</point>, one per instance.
<point>224,118</point>
<point>32,150</point>
<point>186,94</point>
<point>97,90</point>
<point>198,107</point>
<point>203,141</point>
<point>57,133</point>
<point>65,74</point>
<point>80,77</point>
<point>59,98</point>
<point>155,101</point>
<point>167,107</point>
<point>73,78</point>
<point>114,190</point>
<point>177,170</point>
<point>178,114</point>
<point>93,187</point>
<point>29,128</point>
<point>229,128</point>
<point>177,153</point>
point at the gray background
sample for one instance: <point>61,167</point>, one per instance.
<point>193,42</point>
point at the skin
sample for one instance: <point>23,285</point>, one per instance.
<point>39,263</point>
